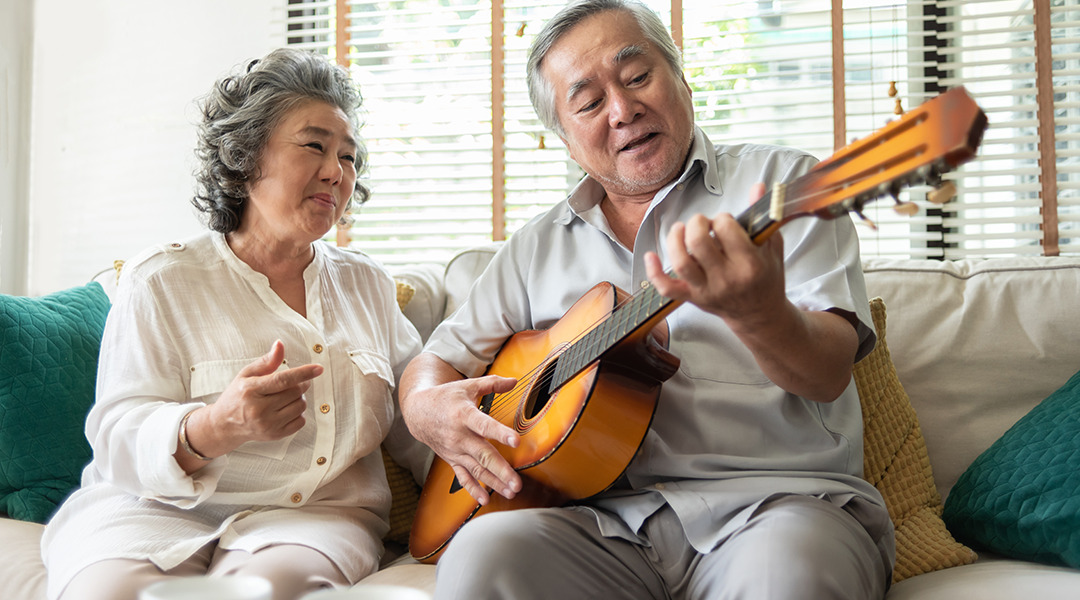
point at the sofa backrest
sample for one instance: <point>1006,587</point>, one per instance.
<point>977,344</point>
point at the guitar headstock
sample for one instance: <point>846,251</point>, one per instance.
<point>928,141</point>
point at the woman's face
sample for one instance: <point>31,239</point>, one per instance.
<point>308,171</point>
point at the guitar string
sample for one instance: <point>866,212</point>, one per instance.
<point>508,402</point>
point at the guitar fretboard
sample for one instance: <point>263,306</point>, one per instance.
<point>623,321</point>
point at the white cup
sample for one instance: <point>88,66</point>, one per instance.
<point>370,592</point>
<point>233,587</point>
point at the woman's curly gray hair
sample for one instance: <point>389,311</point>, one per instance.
<point>240,113</point>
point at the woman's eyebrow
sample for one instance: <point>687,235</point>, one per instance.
<point>326,133</point>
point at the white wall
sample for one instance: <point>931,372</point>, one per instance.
<point>16,22</point>
<point>112,125</point>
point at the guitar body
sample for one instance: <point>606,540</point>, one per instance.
<point>575,440</point>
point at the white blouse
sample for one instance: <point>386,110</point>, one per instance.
<point>187,317</point>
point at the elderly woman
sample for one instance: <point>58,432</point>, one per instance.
<point>246,375</point>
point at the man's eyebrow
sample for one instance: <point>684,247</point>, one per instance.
<point>628,53</point>
<point>326,133</point>
<point>576,87</point>
<point>624,54</point>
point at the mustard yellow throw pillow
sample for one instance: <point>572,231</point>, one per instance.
<point>896,463</point>
<point>404,491</point>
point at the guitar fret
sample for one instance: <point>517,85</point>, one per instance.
<point>623,319</point>
<point>611,331</point>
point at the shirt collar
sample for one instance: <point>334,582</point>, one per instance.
<point>588,193</point>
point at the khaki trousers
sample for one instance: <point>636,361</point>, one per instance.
<point>293,570</point>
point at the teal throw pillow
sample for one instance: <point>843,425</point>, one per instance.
<point>48,366</point>
<point>1021,497</point>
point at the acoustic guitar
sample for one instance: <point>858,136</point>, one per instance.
<point>588,386</point>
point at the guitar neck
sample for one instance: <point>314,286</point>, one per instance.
<point>757,220</point>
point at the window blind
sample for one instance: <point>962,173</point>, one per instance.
<point>1027,166</point>
<point>813,74</point>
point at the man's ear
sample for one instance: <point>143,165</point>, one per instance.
<point>687,85</point>
<point>569,148</point>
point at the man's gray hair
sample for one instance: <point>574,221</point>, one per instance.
<point>541,93</point>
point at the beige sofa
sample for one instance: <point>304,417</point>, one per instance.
<point>975,344</point>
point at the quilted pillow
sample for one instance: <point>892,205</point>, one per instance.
<point>896,463</point>
<point>48,365</point>
<point>1021,497</point>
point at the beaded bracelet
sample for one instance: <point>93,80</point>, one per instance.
<point>184,441</point>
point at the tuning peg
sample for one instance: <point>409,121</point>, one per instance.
<point>907,209</point>
<point>865,220</point>
<point>942,194</point>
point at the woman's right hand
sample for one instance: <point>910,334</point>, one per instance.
<point>260,404</point>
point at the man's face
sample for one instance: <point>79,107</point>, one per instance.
<point>627,117</point>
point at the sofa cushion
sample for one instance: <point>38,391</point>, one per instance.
<point>896,463</point>
<point>22,571</point>
<point>48,366</point>
<point>991,578</point>
<point>463,270</point>
<point>425,306</point>
<point>1021,498</point>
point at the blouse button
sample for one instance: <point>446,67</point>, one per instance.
<point>317,348</point>
<point>325,408</point>
<point>297,497</point>
<point>321,460</point>
<point>660,486</point>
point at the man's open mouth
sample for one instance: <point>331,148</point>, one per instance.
<point>639,141</point>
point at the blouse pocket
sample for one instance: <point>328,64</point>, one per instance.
<point>374,384</point>
<point>209,379</point>
<point>373,364</point>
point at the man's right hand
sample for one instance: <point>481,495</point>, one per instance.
<point>440,407</point>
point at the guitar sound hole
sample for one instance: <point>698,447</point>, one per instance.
<point>541,391</point>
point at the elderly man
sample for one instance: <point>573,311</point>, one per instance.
<point>747,484</point>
